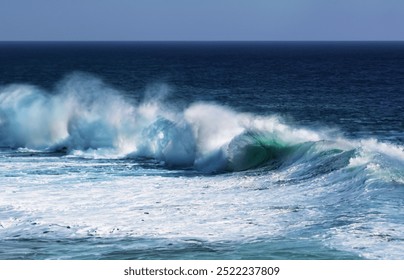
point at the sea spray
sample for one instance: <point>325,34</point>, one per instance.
<point>84,114</point>
<point>86,117</point>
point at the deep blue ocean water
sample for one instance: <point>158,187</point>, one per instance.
<point>202,150</point>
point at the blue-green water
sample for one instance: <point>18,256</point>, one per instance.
<point>201,150</point>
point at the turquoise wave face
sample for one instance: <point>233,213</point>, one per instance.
<point>251,150</point>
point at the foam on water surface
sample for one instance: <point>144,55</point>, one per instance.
<point>85,162</point>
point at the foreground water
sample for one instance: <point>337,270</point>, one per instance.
<point>202,151</point>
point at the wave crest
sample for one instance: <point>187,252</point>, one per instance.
<point>85,117</point>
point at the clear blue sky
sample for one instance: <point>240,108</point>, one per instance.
<point>201,20</point>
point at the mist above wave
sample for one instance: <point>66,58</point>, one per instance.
<point>87,118</point>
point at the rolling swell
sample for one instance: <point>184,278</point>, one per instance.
<point>86,118</point>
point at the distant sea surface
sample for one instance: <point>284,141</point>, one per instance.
<point>202,150</point>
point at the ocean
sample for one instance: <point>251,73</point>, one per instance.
<point>202,150</point>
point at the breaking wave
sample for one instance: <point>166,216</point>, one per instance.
<point>84,117</point>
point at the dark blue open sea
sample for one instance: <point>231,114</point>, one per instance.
<point>202,150</point>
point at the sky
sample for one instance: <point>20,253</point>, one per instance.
<point>201,20</point>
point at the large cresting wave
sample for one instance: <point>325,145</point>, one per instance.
<point>84,117</point>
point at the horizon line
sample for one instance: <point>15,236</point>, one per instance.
<point>190,41</point>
